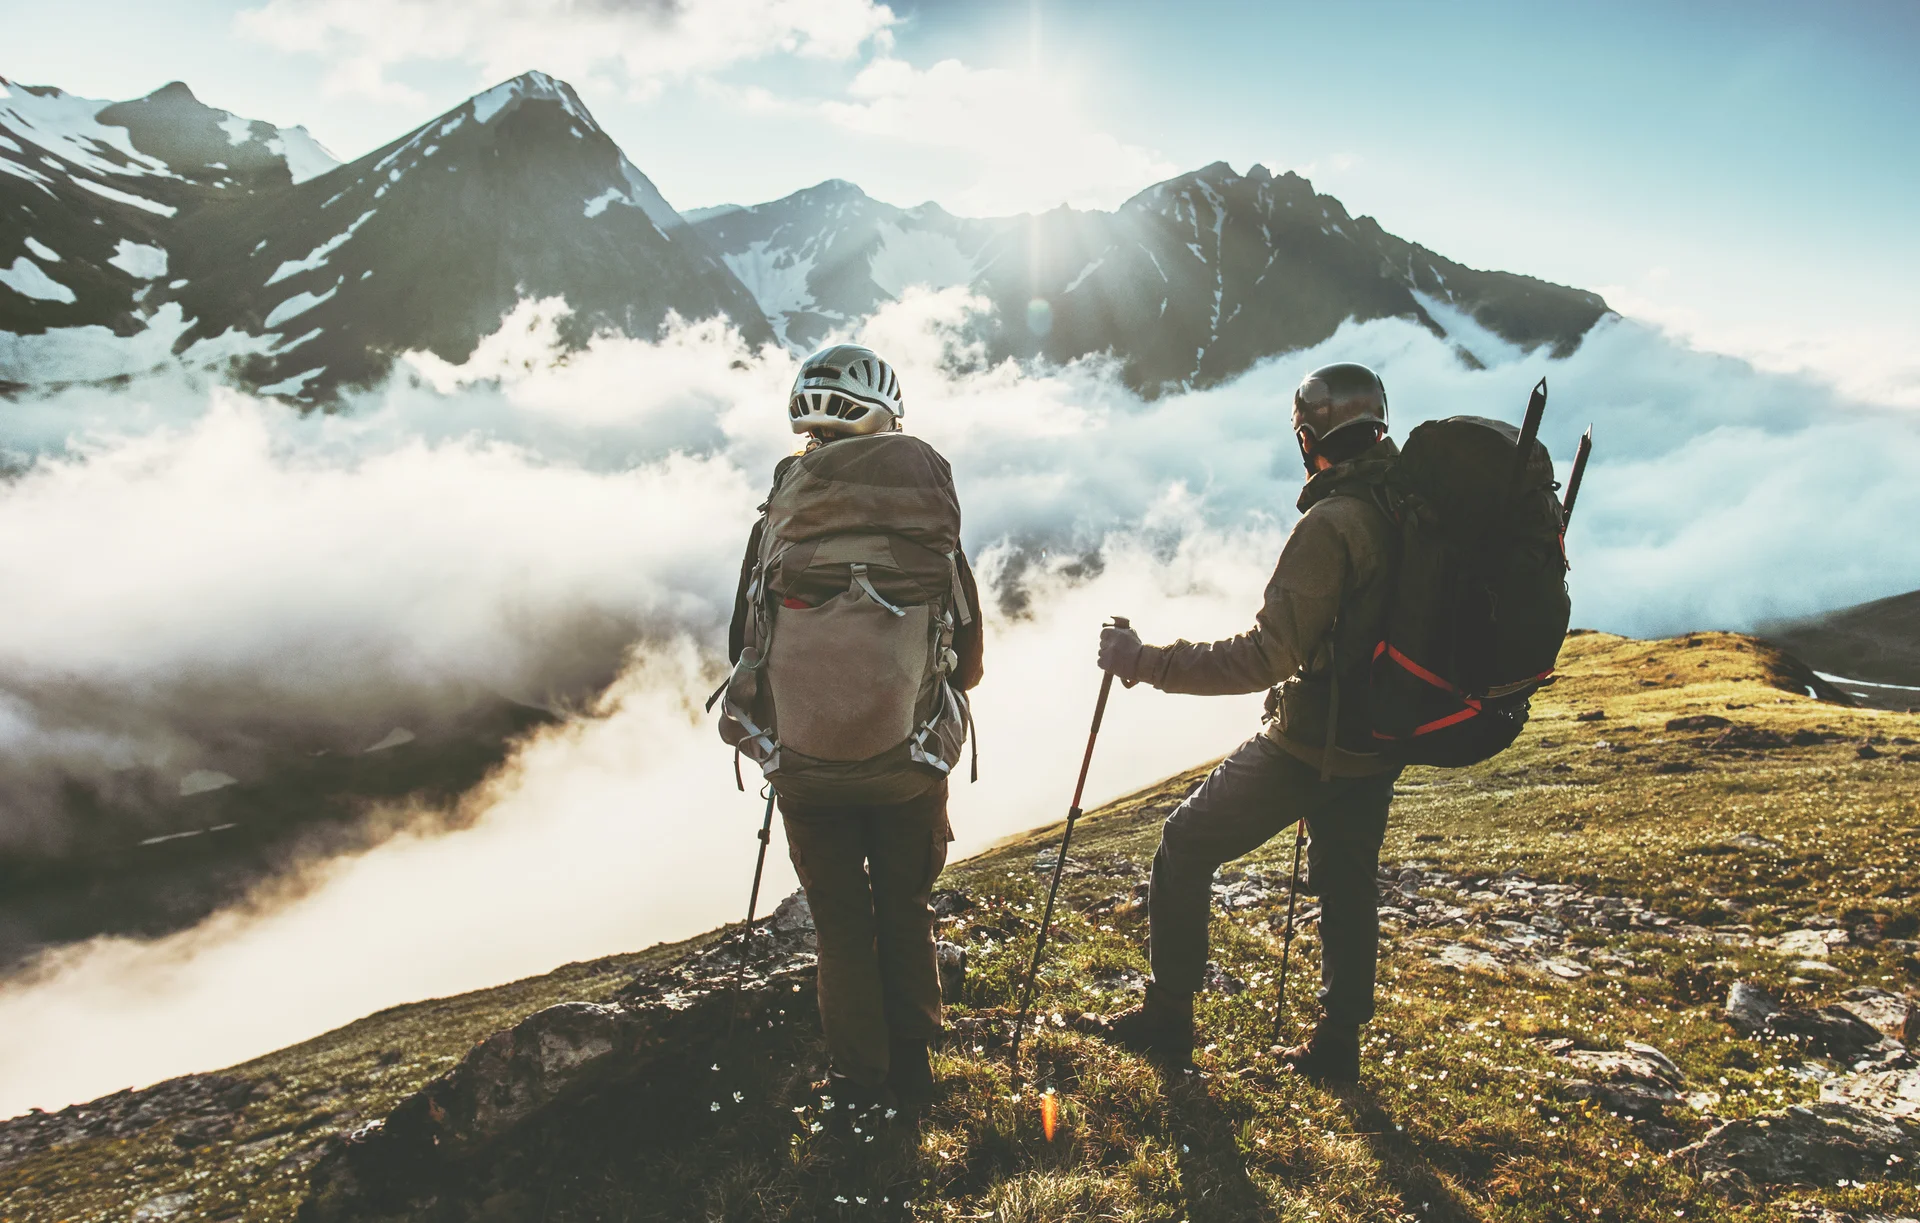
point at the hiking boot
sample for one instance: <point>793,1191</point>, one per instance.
<point>910,1075</point>
<point>1331,1055</point>
<point>1161,1027</point>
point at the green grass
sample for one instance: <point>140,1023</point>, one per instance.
<point>1464,1113</point>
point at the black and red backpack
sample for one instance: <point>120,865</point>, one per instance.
<point>1480,606</point>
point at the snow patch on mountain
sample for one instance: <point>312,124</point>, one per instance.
<point>317,257</point>
<point>777,279</point>
<point>124,197</point>
<point>297,305</point>
<point>26,279</point>
<point>140,261</point>
<point>927,257</point>
<point>305,157</point>
<point>43,250</point>
<point>293,387</point>
<point>239,130</point>
<point>65,126</point>
<point>95,354</point>
<point>640,193</point>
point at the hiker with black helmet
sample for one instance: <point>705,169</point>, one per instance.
<point>1315,759</point>
<point>855,639</point>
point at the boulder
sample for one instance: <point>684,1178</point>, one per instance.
<point>951,902</point>
<point>1894,1016</point>
<point>1811,944</point>
<point>1888,1093</point>
<point>1829,1031</point>
<point>794,916</point>
<point>1637,1080</point>
<point>951,958</point>
<point>1749,738</point>
<point>1699,721</point>
<point>659,1057</point>
<point>1748,1007</point>
<point>1804,1144</point>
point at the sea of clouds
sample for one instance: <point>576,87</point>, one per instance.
<point>194,573</point>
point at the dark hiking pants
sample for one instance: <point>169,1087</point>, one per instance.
<point>868,872</point>
<point>1251,796</point>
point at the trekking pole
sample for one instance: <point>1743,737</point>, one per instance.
<point>753,902</point>
<point>1286,945</point>
<point>1059,865</point>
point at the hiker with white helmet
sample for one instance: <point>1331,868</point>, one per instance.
<point>855,639</point>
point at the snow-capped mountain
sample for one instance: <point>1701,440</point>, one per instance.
<point>300,276</point>
<point>91,196</point>
<point>138,234</point>
<point>1189,282</point>
<point>822,259</point>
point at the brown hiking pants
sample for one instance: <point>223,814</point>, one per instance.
<point>868,872</point>
<point>1253,795</point>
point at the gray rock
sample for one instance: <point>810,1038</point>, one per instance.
<point>1811,944</point>
<point>668,1034</point>
<point>166,1206</point>
<point>1637,1081</point>
<point>793,915</point>
<point>1219,981</point>
<point>1888,1093</point>
<point>1472,959</point>
<point>952,961</point>
<point>951,902</point>
<point>1895,1016</point>
<point>1826,1032</point>
<point>1816,1144</point>
<point>199,1107</point>
<point>1748,1006</point>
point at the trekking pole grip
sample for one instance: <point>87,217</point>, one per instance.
<point>1118,622</point>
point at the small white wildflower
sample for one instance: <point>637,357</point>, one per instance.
<point>714,1107</point>
<point>737,1097</point>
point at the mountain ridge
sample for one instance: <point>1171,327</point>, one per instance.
<point>184,235</point>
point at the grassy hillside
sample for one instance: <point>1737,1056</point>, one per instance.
<point>1602,883</point>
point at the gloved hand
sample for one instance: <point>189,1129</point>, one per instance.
<point>1120,652</point>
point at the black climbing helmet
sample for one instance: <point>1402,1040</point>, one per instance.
<point>1336,397</point>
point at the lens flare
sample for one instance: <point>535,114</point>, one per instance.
<point>1049,1113</point>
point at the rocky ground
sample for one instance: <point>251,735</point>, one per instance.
<point>1659,961</point>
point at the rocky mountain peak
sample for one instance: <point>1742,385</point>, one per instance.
<point>533,86</point>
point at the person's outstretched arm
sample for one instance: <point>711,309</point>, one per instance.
<point>1302,599</point>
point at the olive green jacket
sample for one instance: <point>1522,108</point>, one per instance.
<point>1327,600</point>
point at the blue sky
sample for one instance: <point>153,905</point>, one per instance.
<point>1744,174</point>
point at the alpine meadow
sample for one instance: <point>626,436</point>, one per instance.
<point>1221,688</point>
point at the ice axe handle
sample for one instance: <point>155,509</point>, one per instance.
<point>1529,430</point>
<point>1573,480</point>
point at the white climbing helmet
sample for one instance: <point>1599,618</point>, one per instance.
<point>845,389</point>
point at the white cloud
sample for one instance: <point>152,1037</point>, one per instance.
<point>638,45</point>
<point>1869,358</point>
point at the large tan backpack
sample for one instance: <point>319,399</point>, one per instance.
<point>843,691</point>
